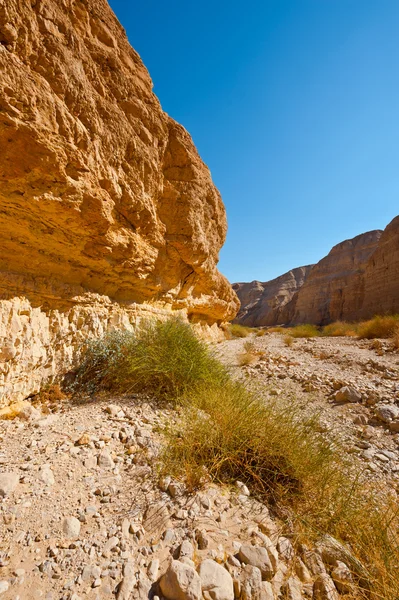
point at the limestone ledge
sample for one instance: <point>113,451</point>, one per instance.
<point>38,346</point>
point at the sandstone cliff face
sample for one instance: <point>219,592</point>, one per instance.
<point>263,303</point>
<point>381,275</point>
<point>334,289</point>
<point>102,195</point>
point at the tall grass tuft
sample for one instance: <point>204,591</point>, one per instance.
<point>164,358</point>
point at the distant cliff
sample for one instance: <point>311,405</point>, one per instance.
<point>264,303</point>
<point>356,280</point>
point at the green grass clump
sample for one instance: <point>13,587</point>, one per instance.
<point>304,331</point>
<point>378,327</point>
<point>240,331</point>
<point>164,358</point>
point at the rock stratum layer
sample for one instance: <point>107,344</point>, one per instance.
<point>358,279</point>
<point>104,198</point>
<point>264,303</point>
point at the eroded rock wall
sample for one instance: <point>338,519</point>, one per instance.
<point>263,303</point>
<point>101,192</point>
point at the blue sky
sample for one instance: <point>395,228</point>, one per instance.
<point>293,105</point>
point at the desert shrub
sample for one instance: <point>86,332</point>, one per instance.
<point>276,330</point>
<point>246,358</point>
<point>229,433</point>
<point>378,327</point>
<point>340,328</point>
<point>288,340</point>
<point>164,358</point>
<point>304,331</point>
<point>261,332</point>
<point>239,331</point>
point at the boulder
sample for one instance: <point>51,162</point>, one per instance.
<point>216,580</point>
<point>257,556</point>
<point>181,582</point>
<point>8,483</point>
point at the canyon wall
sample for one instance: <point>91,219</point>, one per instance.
<point>106,209</point>
<point>358,279</point>
<point>334,289</point>
<point>264,303</point>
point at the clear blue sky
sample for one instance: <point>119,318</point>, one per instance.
<point>294,106</point>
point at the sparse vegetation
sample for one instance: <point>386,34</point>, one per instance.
<point>340,328</point>
<point>304,331</point>
<point>378,327</point>
<point>227,432</point>
<point>288,340</point>
<point>239,331</point>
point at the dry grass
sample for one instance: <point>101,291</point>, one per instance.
<point>246,358</point>
<point>276,330</point>
<point>340,328</point>
<point>240,331</point>
<point>261,332</point>
<point>378,327</point>
<point>288,340</point>
<point>304,331</point>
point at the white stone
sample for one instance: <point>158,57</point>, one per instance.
<point>216,580</point>
<point>4,585</point>
<point>46,475</point>
<point>181,582</point>
<point>105,459</point>
<point>8,483</point>
<point>257,556</point>
<point>71,527</point>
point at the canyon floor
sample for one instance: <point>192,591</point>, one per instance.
<point>84,514</point>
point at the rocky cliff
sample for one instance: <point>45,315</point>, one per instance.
<point>358,279</point>
<point>105,202</point>
<point>264,303</point>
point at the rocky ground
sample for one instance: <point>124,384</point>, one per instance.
<point>84,513</point>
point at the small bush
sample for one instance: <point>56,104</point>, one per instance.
<point>261,332</point>
<point>340,328</point>
<point>288,340</point>
<point>165,358</point>
<point>246,358</point>
<point>276,330</point>
<point>304,331</point>
<point>379,327</point>
<point>239,331</point>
